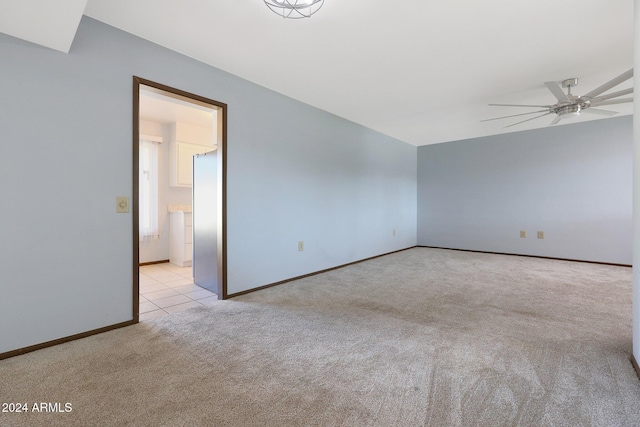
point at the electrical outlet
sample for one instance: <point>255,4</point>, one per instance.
<point>394,231</point>
<point>540,234</point>
<point>122,204</point>
<point>523,234</point>
<point>300,246</point>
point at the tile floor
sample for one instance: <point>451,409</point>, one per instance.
<point>166,288</point>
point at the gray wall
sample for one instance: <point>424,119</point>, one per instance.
<point>294,173</point>
<point>573,182</point>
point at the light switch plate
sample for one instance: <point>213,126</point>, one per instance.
<point>122,204</point>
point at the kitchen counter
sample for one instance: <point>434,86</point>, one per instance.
<point>179,208</point>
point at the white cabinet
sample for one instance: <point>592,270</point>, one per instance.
<point>186,141</point>
<point>180,238</point>
<point>181,162</point>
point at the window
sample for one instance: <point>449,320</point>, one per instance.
<point>148,187</point>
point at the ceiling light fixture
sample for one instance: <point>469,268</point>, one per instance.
<point>294,9</point>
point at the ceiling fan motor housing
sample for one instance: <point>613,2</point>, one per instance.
<point>570,109</point>
<point>576,104</point>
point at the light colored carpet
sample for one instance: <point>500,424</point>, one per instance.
<point>423,337</point>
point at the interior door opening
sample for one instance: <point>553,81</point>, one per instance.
<point>179,187</point>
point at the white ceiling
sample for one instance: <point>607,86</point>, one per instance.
<point>420,71</point>
<point>164,109</point>
<point>48,23</point>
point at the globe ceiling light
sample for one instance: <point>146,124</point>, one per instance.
<point>294,9</point>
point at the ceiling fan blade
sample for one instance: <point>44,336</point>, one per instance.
<point>514,115</point>
<point>556,90</point>
<point>611,83</point>
<point>537,117</point>
<point>555,121</point>
<point>520,105</point>
<point>612,101</point>
<point>613,95</point>
<point>599,112</point>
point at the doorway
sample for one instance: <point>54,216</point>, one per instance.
<point>178,176</point>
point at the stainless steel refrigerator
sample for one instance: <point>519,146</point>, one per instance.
<point>205,220</point>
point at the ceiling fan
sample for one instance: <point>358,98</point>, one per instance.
<point>570,105</point>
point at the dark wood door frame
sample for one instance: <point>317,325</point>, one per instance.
<point>222,182</point>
